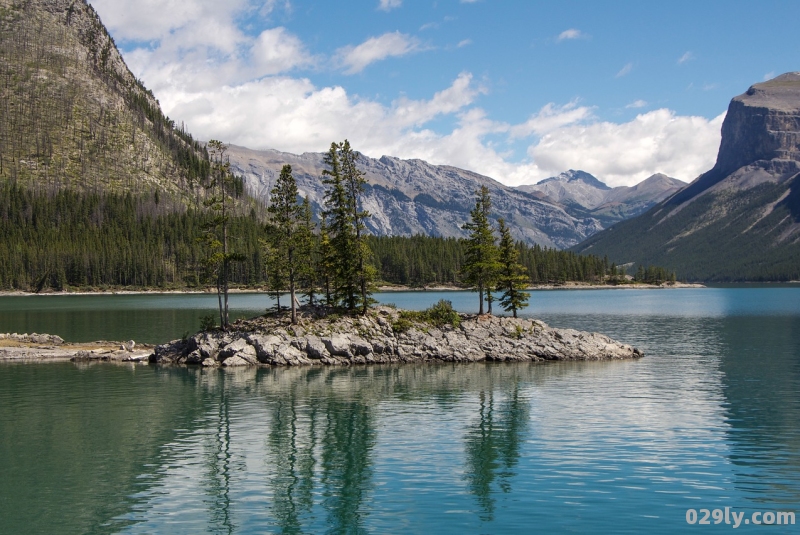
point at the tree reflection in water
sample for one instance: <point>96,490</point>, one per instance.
<point>492,446</point>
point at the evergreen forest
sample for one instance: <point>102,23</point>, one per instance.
<point>68,239</point>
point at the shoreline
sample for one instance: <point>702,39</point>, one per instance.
<point>379,289</point>
<point>385,335</point>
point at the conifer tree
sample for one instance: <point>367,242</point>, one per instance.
<point>307,269</point>
<point>289,246</point>
<point>481,256</point>
<point>513,277</point>
<point>350,253</point>
<point>327,261</point>
<point>354,180</point>
<point>215,233</point>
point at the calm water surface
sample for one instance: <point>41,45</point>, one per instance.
<point>710,418</point>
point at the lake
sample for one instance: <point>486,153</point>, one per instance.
<point>709,419</point>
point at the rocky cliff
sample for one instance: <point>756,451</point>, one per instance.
<point>71,112</point>
<point>381,337</point>
<point>407,197</point>
<point>741,219</point>
<point>580,192</point>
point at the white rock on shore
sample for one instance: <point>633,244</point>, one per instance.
<point>383,337</point>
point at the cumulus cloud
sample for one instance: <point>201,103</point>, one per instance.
<point>622,154</point>
<point>551,117</point>
<point>244,88</point>
<point>388,5</point>
<point>572,33</point>
<point>356,58</point>
<point>624,71</point>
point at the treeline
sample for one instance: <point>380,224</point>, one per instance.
<point>424,260</point>
<point>95,240</point>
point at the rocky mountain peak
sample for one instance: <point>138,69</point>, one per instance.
<point>762,124</point>
<point>573,175</point>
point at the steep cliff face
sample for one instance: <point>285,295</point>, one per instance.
<point>741,219</point>
<point>407,197</point>
<point>71,112</point>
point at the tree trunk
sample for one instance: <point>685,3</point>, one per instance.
<point>480,299</point>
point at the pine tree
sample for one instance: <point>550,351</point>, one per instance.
<point>327,261</point>
<point>481,256</point>
<point>513,276</point>
<point>341,227</point>
<point>354,180</point>
<point>219,257</point>
<point>286,232</point>
<point>307,269</point>
<point>351,254</point>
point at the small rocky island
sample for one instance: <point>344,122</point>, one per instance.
<point>387,335</point>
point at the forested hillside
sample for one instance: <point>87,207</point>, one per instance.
<point>86,240</point>
<point>73,115</point>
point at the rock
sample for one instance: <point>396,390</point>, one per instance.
<point>315,348</point>
<point>239,348</point>
<point>235,361</point>
<point>361,341</point>
<point>338,344</point>
<point>265,345</point>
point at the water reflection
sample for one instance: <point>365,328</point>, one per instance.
<point>762,379</point>
<point>492,446</point>
<point>708,417</point>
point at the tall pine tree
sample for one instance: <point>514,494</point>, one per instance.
<point>513,277</point>
<point>289,244</point>
<point>222,184</point>
<point>353,275</point>
<point>481,256</point>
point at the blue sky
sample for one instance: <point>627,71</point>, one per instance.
<point>518,91</point>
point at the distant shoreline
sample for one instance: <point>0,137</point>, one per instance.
<point>380,289</point>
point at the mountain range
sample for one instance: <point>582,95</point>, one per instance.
<point>741,219</point>
<point>407,197</point>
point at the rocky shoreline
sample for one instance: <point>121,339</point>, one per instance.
<point>385,336</point>
<point>51,348</point>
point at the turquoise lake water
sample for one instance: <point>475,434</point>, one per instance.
<point>709,419</point>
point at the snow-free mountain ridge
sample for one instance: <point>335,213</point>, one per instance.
<point>741,219</point>
<point>407,197</point>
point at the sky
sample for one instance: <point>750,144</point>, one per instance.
<point>516,90</point>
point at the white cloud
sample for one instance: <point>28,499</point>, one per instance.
<point>572,33</point>
<point>231,85</point>
<point>388,5</point>
<point>356,58</point>
<point>688,56</point>
<point>464,43</point>
<point>623,154</point>
<point>551,117</point>
<point>276,51</point>
<point>625,70</point>
<point>769,76</point>
<point>637,104</point>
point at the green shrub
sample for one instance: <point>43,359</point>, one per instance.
<point>208,322</point>
<point>442,314</point>
<point>401,325</point>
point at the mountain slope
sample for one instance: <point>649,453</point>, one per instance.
<point>583,194</point>
<point>72,114</point>
<point>741,219</point>
<point>407,197</point>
